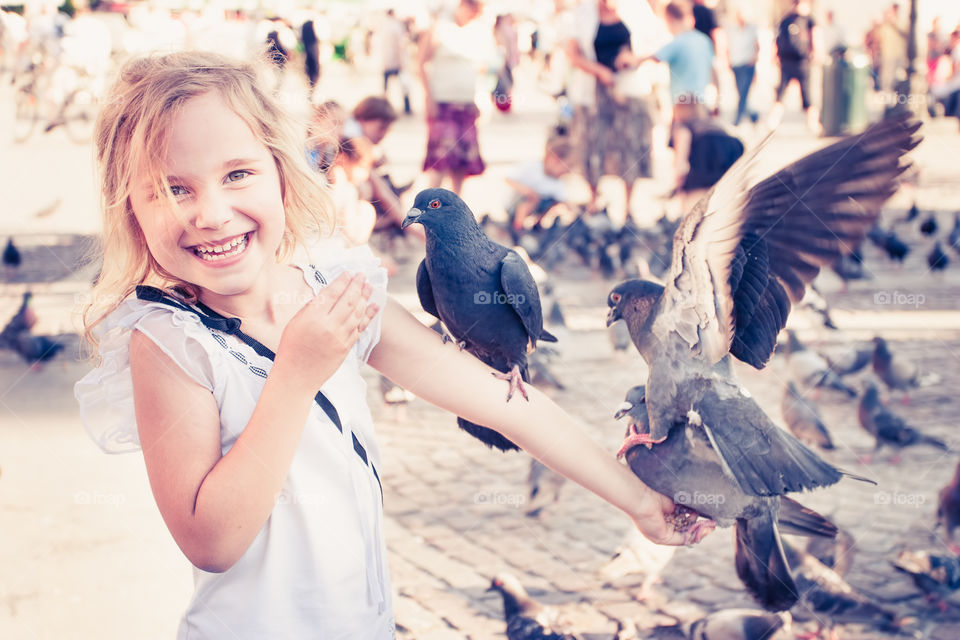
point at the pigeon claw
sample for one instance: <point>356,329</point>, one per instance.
<point>635,440</point>
<point>515,380</point>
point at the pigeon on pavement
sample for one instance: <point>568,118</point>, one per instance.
<point>954,238</point>
<point>948,509</point>
<point>638,556</point>
<point>544,484</point>
<point>938,577</point>
<point>686,468</point>
<point>836,553</point>
<point>810,369</point>
<point>482,291</point>
<point>803,419</point>
<point>829,599</point>
<point>937,260</point>
<point>898,373</point>
<point>11,259</point>
<point>850,361</point>
<point>888,428</point>
<point>526,618</point>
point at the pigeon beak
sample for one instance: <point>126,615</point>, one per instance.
<point>613,315</point>
<point>622,410</point>
<point>412,216</point>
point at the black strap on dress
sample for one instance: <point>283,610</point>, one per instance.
<point>213,320</point>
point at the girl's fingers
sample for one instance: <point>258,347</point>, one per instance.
<point>349,299</point>
<point>368,315</point>
<point>332,292</point>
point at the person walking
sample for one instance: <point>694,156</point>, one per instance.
<point>451,58</point>
<point>743,47</point>
<point>795,51</point>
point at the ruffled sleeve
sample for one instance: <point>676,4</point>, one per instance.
<point>106,393</point>
<point>360,259</point>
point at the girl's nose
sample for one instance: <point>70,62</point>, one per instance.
<point>213,212</point>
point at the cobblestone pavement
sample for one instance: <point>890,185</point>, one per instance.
<point>85,555</point>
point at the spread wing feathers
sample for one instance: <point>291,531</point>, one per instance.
<point>425,291</point>
<point>744,253</point>
<point>764,461</point>
<point>523,296</point>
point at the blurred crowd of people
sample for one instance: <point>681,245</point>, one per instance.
<point>619,73</point>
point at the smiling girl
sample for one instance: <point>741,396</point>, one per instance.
<point>214,345</point>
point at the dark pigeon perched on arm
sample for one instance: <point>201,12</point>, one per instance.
<point>687,469</point>
<point>482,291</point>
<point>741,257</point>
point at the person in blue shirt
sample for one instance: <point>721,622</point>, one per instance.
<point>690,58</point>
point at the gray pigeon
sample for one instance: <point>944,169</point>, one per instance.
<point>482,291</point>
<point>937,576</point>
<point>898,373</point>
<point>737,624</point>
<point>686,468</point>
<point>888,428</point>
<point>836,553</point>
<point>803,419</point>
<point>827,598</point>
<point>526,618</point>
<point>948,510</point>
<point>740,258</point>
<point>810,369</point>
<point>544,484</point>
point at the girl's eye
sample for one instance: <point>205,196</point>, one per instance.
<point>434,204</point>
<point>176,190</point>
<point>239,174</point>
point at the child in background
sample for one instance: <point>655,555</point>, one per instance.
<point>539,193</point>
<point>213,346</point>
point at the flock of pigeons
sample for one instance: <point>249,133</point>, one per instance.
<point>735,266</point>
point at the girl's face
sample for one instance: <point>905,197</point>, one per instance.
<point>226,231</point>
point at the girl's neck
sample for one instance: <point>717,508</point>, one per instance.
<point>267,301</point>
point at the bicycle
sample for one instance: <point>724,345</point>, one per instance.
<point>76,112</point>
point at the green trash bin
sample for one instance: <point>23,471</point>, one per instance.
<point>845,81</point>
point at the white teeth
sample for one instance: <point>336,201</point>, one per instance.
<point>231,248</point>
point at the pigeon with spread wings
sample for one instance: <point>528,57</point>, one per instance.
<point>741,257</point>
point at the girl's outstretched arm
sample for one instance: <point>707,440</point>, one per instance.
<point>415,357</point>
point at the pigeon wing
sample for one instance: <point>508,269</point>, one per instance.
<point>523,296</point>
<point>425,291</point>
<point>744,253</point>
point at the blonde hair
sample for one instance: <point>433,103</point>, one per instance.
<point>131,135</point>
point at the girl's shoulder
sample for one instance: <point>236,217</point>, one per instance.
<point>105,394</point>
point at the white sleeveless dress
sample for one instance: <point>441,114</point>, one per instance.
<point>318,567</point>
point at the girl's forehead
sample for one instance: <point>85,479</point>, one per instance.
<point>207,132</point>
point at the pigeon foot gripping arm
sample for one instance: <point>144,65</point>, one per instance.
<point>515,380</point>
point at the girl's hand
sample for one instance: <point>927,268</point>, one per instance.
<point>317,339</point>
<point>651,520</point>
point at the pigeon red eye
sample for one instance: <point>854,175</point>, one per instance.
<point>615,297</point>
<point>434,204</point>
